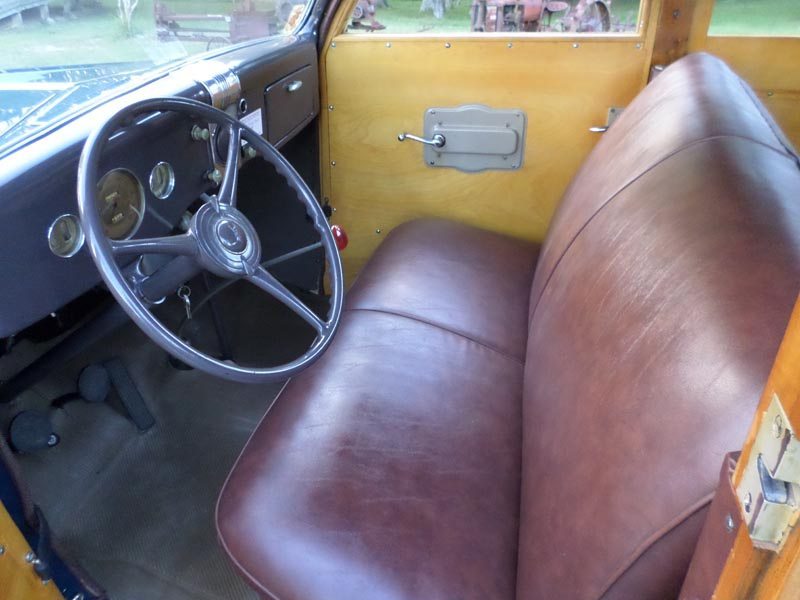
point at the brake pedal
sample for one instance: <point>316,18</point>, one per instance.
<point>94,383</point>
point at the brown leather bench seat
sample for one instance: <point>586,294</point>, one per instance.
<point>481,430</point>
<point>417,443</point>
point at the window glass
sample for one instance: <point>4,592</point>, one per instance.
<point>495,16</point>
<point>56,55</point>
<point>755,17</point>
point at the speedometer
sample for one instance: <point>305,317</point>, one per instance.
<point>120,202</point>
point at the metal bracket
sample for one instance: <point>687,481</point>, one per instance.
<point>769,491</point>
<point>613,113</point>
<point>472,138</point>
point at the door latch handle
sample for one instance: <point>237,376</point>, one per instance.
<point>293,86</point>
<point>438,140</point>
<point>613,113</point>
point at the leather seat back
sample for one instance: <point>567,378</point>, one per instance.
<point>660,298</point>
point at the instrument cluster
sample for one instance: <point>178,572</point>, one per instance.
<point>121,203</point>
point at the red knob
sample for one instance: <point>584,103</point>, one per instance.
<point>339,236</point>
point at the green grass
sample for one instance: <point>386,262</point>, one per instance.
<point>96,35</point>
<point>756,17</point>
<point>731,17</point>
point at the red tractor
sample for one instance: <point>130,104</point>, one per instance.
<point>541,15</point>
<point>364,16</point>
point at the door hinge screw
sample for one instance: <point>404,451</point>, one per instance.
<point>777,426</point>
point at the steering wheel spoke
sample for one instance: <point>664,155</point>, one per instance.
<point>290,255</point>
<point>175,245</point>
<point>267,282</point>
<point>227,189</point>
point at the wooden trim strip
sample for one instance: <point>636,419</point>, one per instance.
<point>751,573</point>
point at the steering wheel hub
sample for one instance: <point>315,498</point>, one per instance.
<point>229,244</point>
<point>232,236</point>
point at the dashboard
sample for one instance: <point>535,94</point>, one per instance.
<point>154,170</point>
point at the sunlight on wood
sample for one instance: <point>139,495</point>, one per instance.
<point>17,578</point>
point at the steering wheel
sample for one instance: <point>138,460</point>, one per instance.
<point>220,239</point>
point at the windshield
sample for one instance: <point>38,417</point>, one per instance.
<point>58,55</point>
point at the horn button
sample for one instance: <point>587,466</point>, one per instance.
<point>232,236</point>
<point>229,244</point>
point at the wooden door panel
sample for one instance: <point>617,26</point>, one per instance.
<point>378,87</point>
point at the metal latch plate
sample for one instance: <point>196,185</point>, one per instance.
<point>478,138</point>
<point>769,491</point>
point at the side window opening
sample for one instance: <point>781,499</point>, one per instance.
<point>755,18</point>
<point>495,16</point>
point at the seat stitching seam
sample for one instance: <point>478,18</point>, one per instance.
<point>653,539</point>
<point>630,183</point>
<point>442,328</point>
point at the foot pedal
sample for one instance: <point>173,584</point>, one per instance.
<point>94,383</point>
<point>128,394</point>
<point>30,431</point>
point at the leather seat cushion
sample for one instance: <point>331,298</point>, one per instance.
<point>468,280</point>
<point>399,452</point>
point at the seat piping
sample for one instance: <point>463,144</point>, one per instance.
<point>630,183</point>
<point>510,357</point>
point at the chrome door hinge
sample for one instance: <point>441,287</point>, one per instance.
<point>769,490</point>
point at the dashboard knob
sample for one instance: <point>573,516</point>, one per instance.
<point>214,176</point>
<point>339,236</point>
<point>200,134</point>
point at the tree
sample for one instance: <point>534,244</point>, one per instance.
<point>438,7</point>
<point>126,9</point>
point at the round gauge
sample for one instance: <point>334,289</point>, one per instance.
<point>162,180</point>
<point>120,202</point>
<point>65,236</point>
